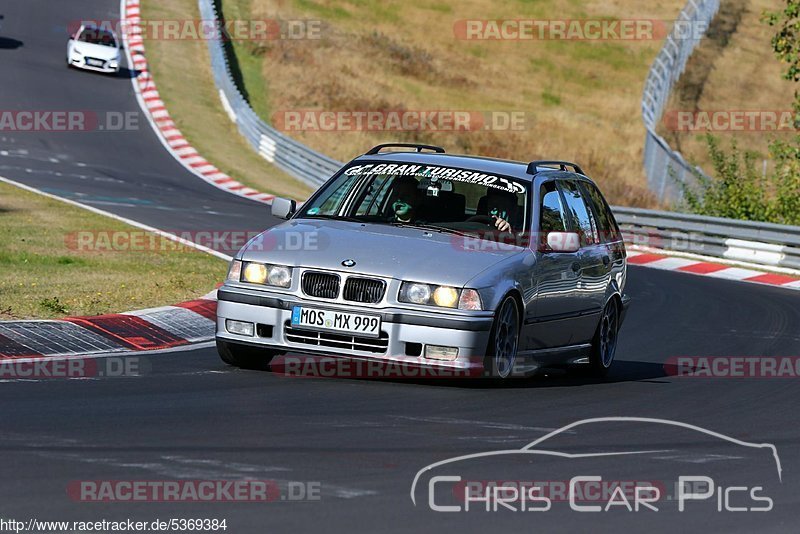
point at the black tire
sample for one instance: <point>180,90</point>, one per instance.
<point>604,344</point>
<point>503,341</point>
<point>244,356</point>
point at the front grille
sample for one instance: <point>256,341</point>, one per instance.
<point>322,285</point>
<point>369,290</point>
<point>375,345</point>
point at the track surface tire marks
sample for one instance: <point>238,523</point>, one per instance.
<point>193,417</point>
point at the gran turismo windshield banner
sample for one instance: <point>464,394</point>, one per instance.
<point>439,172</point>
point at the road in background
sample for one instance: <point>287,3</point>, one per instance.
<point>191,417</point>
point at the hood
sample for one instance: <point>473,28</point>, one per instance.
<point>97,51</point>
<point>383,250</point>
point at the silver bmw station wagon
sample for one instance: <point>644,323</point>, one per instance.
<point>411,255</point>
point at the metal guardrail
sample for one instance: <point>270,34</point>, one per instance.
<point>662,164</point>
<point>313,168</point>
<point>748,241</point>
<point>293,157</point>
<point>753,242</point>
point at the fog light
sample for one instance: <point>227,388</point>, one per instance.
<point>435,352</point>
<point>239,327</point>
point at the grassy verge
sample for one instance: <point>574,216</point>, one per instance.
<point>734,69</point>
<point>182,72</point>
<point>44,273</point>
<point>581,98</point>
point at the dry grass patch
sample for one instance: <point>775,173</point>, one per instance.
<point>182,72</point>
<point>734,69</point>
<point>581,98</point>
<point>44,275</point>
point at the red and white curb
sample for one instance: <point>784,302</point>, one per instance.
<point>158,116</point>
<point>709,268</point>
<point>187,323</point>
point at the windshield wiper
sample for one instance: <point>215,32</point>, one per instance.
<point>432,227</point>
<point>333,218</point>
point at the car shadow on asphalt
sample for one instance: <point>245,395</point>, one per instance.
<point>7,43</point>
<point>127,74</point>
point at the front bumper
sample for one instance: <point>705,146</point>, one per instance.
<point>404,331</point>
<point>107,68</point>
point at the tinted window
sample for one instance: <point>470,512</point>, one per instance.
<point>457,199</point>
<point>609,232</point>
<point>582,219</point>
<point>374,199</point>
<point>331,199</point>
<point>97,36</point>
<point>551,217</point>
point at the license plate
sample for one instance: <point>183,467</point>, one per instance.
<point>336,321</point>
<point>95,62</point>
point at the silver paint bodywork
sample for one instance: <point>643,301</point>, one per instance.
<point>561,294</point>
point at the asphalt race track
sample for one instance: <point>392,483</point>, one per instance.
<point>360,442</point>
<point>127,172</point>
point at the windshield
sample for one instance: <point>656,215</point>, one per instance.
<point>97,36</point>
<point>445,198</point>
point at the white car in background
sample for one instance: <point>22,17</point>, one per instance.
<point>94,48</point>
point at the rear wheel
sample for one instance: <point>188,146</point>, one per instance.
<point>503,341</point>
<point>604,345</point>
<point>244,356</point>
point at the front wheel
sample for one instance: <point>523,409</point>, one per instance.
<point>604,345</point>
<point>244,356</point>
<point>503,341</point>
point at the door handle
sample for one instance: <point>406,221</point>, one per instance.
<point>606,261</point>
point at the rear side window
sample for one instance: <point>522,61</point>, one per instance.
<point>551,218</point>
<point>606,224</point>
<point>581,214</point>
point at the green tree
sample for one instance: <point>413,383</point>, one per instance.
<point>737,190</point>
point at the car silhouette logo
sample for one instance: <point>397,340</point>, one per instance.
<point>349,263</point>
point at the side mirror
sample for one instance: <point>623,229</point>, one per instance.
<point>283,208</point>
<point>563,242</point>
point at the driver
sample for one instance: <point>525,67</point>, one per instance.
<point>406,198</point>
<point>501,206</point>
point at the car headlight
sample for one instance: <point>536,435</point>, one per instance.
<point>265,274</point>
<point>441,296</point>
<point>444,296</point>
<point>279,276</point>
<point>415,293</point>
<point>254,273</point>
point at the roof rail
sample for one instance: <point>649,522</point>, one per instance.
<point>562,165</point>
<point>376,149</point>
